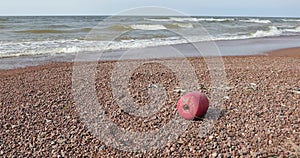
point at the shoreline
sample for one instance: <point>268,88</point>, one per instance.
<point>287,52</point>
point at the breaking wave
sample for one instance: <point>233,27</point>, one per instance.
<point>273,31</point>
<point>291,20</point>
<point>148,27</point>
<point>180,25</point>
<point>256,21</point>
<point>190,19</point>
<point>216,19</point>
<point>297,29</point>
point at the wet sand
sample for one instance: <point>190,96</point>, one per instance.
<point>289,52</point>
<point>260,117</point>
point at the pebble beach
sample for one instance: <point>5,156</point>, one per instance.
<point>260,116</point>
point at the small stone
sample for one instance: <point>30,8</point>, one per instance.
<point>152,86</point>
<point>228,88</point>
<point>172,149</point>
<point>296,91</point>
<point>254,154</point>
<point>60,141</point>
<point>102,147</point>
<point>48,121</point>
<point>270,142</point>
<point>179,90</point>
<point>36,104</point>
<point>214,154</point>
<point>226,97</point>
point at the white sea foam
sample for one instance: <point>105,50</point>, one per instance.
<point>148,27</point>
<point>291,20</point>
<point>183,19</point>
<point>297,29</point>
<point>216,19</point>
<point>11,49</point>
<point>273,31</point>
<point>256,21</point>
<point>190,19</point>
<point>18,48</point>
<point>184,25</point>
<point>159,20</point>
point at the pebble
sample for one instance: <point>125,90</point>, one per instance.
<point>227,97</point>
<point>48,121</point>
<point>60,141</point>
<point>102,147</point>
<point>214,155</point>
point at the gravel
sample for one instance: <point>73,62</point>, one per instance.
<point>260,116</point>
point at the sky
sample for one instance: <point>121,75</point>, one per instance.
<point>273,8</point>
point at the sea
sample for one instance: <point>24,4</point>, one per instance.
<point>25,40</point>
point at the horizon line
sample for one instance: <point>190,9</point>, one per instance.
<point>192,15</point>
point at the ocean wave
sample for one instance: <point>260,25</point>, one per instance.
<point>179,25</point>
<point>216,19</point>
<point>159,20</point>
<point>256,21</point>
<point>84,30</point>
<point>273,31</point>
<point>191,19</point>
<point>183,19</point>
<point>41,31</point>
<point>291,20</point>
<point>119,28</point>
<point>3,19</point>
<point>59,26</point>
<point>177,19</point>
<point>13,49</point>
<point>295,30</point>
<point>10,49</point>
<point>18,48</point>
<point>54,31</point>
<point>285,26</point>
<point>148,27</point>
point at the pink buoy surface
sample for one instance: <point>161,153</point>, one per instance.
<point>192,105</point>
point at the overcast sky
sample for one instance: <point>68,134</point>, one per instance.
<point>290,8</point>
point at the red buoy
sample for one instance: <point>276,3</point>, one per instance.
<point>192,105</point>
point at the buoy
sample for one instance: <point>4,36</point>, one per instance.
<point>192,105</point>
